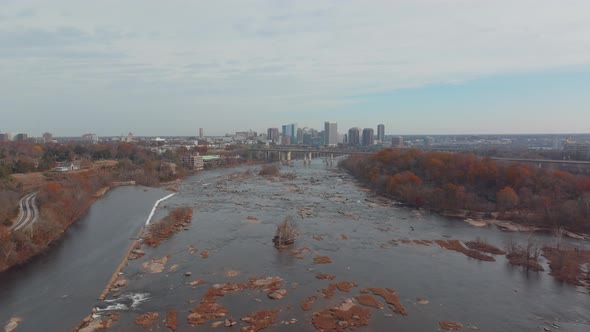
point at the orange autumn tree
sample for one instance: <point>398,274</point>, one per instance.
<point>507,199</point>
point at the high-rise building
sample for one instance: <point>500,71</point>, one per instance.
<point>291,131</point>
<point>201,133</point>
<point>397,142</point>
<point>272,134</point>
<point>21,137</point>
<point>330,133</point>
<point>381,132</point>
<point>3,137</point>
<point>368,137</point>
<point>300,132</point>
<point>354,136</point>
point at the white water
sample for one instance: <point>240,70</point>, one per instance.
<point>120,303</point>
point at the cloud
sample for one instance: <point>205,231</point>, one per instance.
<point>303,56</point>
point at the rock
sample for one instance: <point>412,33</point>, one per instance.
<point>197,282</point>
<point>322,260</point>
<point>155,265</point>
<point>230,322</point>
<point>231,273</point>
<point>422,300</point>
<point>13,323</point>
<point>450,325</point>
<point>188,274</point>
<point>146,320</point>
<point>217,324</point>
<point>120,283</point>
<point>278,294</point>
<point>370,301</point>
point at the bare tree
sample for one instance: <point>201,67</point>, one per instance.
<point>285,234</point>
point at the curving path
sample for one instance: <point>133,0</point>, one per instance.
<point>28,212</point>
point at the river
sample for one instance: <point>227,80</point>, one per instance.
<point>340,220</point>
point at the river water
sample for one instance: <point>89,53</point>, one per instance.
<point>345,222</point>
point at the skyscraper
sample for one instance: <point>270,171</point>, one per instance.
<point>368,136</point>
<point>381,132</point>
<point>354,136</point>
<point>300,136</point>
<point>273,135</point>
<point>291,131</point>
<point>201,133</point>
<point>330,133</point>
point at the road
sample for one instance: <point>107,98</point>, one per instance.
<point>28,212</point>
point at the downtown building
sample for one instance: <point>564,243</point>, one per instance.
<point>290,130</point>
<point>330,133</point>
<point>273,135</point>
<point>354,136</point>
<point>368,137</point>
<point>381,133</point>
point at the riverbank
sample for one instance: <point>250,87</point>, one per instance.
<point>478,218</point>
<point>23,248</point>
<point>78,265</point>
<point>456,182</point>
<point>57,234</point>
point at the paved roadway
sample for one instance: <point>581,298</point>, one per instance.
<point>28,212</point>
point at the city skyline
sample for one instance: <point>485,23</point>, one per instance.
<point>169,69</point>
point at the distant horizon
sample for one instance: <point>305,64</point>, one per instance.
<point>339,132</point>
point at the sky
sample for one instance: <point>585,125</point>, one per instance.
<point>150,67</point>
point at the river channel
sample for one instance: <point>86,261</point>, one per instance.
<point>235,216</point>
<point>54,291</point>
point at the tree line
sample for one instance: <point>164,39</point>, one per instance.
<point>457,182</point>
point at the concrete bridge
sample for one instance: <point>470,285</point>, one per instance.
<point>307,154</point>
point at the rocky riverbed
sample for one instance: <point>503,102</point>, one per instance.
<point>359,262</point>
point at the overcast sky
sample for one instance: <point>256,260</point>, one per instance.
<point>170,67</point>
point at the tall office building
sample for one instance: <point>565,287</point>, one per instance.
<point>21,137</point>
<point>273,135</point>
<point>354,136</point>
<point>330,133</point>
<point>291,131</point>
<point>368,136</point>
<point>381,132</point>
<point>201,133</point>
<point>300,136</point>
